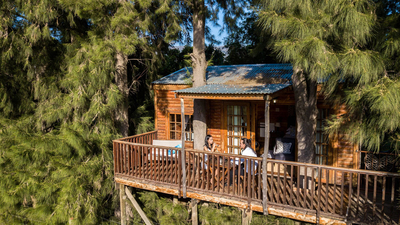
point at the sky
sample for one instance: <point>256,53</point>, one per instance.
<point>215,30</point>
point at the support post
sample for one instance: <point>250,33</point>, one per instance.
<point>266,148</point>
<point>137,207</point>
<point>122,198</point>
<point>195,217</point>
<point>183,149</point>
<point>247,215</point>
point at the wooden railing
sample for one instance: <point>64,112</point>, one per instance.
<point>347,194</point>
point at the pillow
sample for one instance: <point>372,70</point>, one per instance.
<point>282,147</point>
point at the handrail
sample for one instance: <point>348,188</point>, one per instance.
<point>379,173</point>
<point>136,135</point>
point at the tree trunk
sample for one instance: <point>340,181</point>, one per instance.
<point>199,72</point>
<point>305,95</point>
<point>121,79</point>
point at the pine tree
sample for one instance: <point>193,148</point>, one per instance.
<point>60,105</point>
<point>372,119</point>
<point>322,39</point>
<point>197,12</point>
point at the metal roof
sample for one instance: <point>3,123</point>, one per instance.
<point>249,74</point>
<point>234,89</point>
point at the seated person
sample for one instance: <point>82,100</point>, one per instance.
<point>210,146</point>
<point>245,145</point>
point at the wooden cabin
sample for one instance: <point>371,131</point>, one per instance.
<point>335,189</point>
<point>235,100</point>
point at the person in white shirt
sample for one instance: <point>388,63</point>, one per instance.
<point>245,145</point>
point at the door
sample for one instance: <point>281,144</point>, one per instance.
<point>323,155</point>
<point>237,125</point>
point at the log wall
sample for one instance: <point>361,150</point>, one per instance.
<point>343,153</point>
<point>165,104</point>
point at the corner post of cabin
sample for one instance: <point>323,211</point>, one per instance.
<point>267,99</point>
<point>183,162</point>
<point>122,199</point>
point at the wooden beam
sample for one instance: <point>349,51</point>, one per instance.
<point>170,87</point>
<point>266,148</point>
<point>122,198</point>
<point>183,163</point>
<point>137,207</point>
<point>272,210</point>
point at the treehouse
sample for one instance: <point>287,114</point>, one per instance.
<point>343,185</point>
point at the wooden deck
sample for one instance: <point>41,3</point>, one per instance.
<point>307,192</point>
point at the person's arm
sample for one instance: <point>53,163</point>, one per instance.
<point>213,147</point>
<point>205,148</point>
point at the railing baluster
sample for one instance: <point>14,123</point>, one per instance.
<point>291,185</point>
<point>218,172</point>
<point>334,191</point>
<point>272,182</point>
<point>278,184</point>
<point>342,193</point>
<point>259,180</point>
<point>374,195</point>
<point>213,172</point>
<point>313,185</point>
<point>179,154</point>
<point>238,178</point>
<point>327,190</point>
<point>319,194</point>
<point>229,174</point>
<point>203,175</point>
<point>305,189</point>
<point>350,194</point>
<point>298,187</point>
<point>159,178</point>
<point>198,170</point>
<point>383,196</point>
<point>392,203</point>
<point>120,151</point>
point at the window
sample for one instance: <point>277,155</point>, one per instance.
<point>237,126</point>
<point>175,127</point>
<point>322,145</point>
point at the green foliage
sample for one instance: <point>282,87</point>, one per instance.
<point>247,43</point>
<point>353,47</point>
<point>160,209</point>
<point>58,99</point>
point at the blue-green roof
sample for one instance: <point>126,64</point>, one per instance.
<point>235,74</point>
<point>234,89</point>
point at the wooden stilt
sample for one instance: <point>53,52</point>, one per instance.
<point>195,218</point>
<point>122,199</point>
<point>175,201</point>
<point>247,215</point>
<point>137,207</point>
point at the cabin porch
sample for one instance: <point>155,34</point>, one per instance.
<point>307,192</point>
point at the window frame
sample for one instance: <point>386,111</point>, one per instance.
<point>178,132</point>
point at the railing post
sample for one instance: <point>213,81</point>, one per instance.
<point>264,165</point>
<point>183,149</point>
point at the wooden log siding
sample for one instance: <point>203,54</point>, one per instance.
<point>361,196</point>
<point>166,104</point>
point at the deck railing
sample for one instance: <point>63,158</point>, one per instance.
<point>347,194</point>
